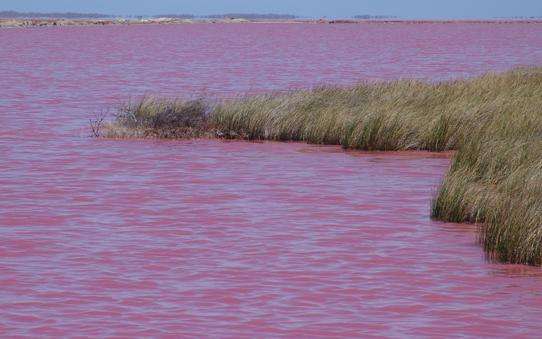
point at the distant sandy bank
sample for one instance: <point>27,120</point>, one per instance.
<point>7,23</point>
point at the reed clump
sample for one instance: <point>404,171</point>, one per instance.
<point>494,122</point>
<point>160,118</point>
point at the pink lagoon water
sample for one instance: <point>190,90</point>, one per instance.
<point>235,239</point>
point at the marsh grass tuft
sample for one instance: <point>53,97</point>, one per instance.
<point>160,118</point>
<point>493,121</point>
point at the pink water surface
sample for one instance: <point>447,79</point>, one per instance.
<point>234,239</point>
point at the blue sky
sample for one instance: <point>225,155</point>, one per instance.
<point>312,8</point>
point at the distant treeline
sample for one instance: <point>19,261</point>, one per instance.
<point>520,17</point>
<point>251,16</point>
<point>247,16</point>
<point>372,17</point>
<point>68,15</point>
<point>175,16</point>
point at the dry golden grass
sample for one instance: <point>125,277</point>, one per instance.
<point>494,122</point>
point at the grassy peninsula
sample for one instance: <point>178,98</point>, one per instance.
<point>493,122</point>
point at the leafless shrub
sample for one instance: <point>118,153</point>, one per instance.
<point>97,124</point>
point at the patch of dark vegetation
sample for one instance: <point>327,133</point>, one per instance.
<point>494,122</point>
<point>161,119</point>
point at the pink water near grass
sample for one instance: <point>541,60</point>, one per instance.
<point>149,238</point>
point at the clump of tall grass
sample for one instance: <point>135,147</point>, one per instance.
<point>159,118</point>
<point>493,121</point>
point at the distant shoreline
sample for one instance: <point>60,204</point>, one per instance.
<point>38,22</point>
